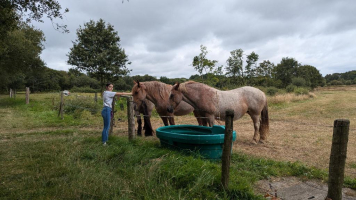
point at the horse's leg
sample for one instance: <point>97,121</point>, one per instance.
<point>199,119</point>
<point>147,120</point>
<point>165,121</point>
<point>256,124</point>
<point>171,120</point>
<point>264,124</point>
<point>148,126</point>
<point>210,119</point>
<point>139,126</point>
<point>204,121</point>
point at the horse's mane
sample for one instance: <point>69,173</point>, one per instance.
<point>152,87</point>
<point>182,86</point>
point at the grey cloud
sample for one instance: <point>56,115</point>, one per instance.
<point>162,37</point>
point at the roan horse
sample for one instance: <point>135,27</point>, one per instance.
<point>213,103</point>
<point>158,93</point>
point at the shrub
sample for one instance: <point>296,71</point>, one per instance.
<point>79,104</point>
<point>299,81</point>
<point>348,82</point>
<point>290,88</point>
<point>272,91</point>
<point>301,91</point>
<point>83,90</point>
<point>335,82</point>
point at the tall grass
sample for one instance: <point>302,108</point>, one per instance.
<point>289,97</point>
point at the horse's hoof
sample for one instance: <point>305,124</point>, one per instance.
<point>263,141</point>
<point>254,142</point>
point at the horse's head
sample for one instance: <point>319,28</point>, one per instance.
<point>138,93</point>
<point>175,97</point>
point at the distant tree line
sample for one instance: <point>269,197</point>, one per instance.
<point>347,78</point>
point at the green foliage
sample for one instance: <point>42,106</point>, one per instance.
<point>348,82</point>
<point>28,41</point>
<point>335,82</point>
<point>341,78</point>
<point>98,52</point>
<point>234,63</point>
<point>299,81</point>
<point>286,70</point>
<point>76,104</point>
<point>83,90</point>
<point>271,91</point>
<point>201,63</point>
<point>311,75</point>
<point>290,88</point>
<point>301,90</point>
<point>251,65</point>
<point>36,9</point>
<point>84,81</point>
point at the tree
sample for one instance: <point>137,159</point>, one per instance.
<point>251,65</point>
<point>311,75</point>
<point>286,70</point>
<point>263,73</point>
<point>201,63</point>
<point>264,69</point>
<point>97,51</point>
<point>235,67</point>
<point>234,63</point>
<point>20,53</point>
<point>14,10</point>
<point>20,43</point>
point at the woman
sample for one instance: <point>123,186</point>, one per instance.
<point>108,97</point>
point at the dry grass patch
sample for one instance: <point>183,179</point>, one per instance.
<point>301,128</point>
<point>289,97</point>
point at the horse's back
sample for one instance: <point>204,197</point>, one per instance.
<point>241,100</point>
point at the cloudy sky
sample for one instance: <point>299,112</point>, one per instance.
<point>161,37</point>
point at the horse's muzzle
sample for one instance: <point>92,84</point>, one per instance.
<point>170,109</point>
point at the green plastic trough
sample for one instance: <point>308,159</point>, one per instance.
<point>207,141</point>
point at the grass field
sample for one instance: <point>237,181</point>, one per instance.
<point>45,157</point>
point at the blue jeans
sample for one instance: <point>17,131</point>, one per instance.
<point>106,113</point>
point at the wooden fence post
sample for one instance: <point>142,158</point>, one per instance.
<point>130,117</point>
<point>10,93</point>
<point>61,105</point>
<point>96,97</point>
<point>112,122</point>
<point>338,158</point>
<point>226,154</point>
<point>27,95</point>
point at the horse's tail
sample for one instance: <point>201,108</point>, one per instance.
<point>264,123</point>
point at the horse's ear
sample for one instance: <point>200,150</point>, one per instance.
<point>176,86</point>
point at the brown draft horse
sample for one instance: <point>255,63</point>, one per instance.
<point>158,93</point>
<point>213,103</point>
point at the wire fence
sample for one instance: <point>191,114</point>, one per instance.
<point>306,123</point>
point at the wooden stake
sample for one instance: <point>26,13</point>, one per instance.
<point>338,158</point>
<point>226,155</point>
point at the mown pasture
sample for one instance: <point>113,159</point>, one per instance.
<point>45,157</point>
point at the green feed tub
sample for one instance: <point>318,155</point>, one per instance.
<point>207,141</point>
